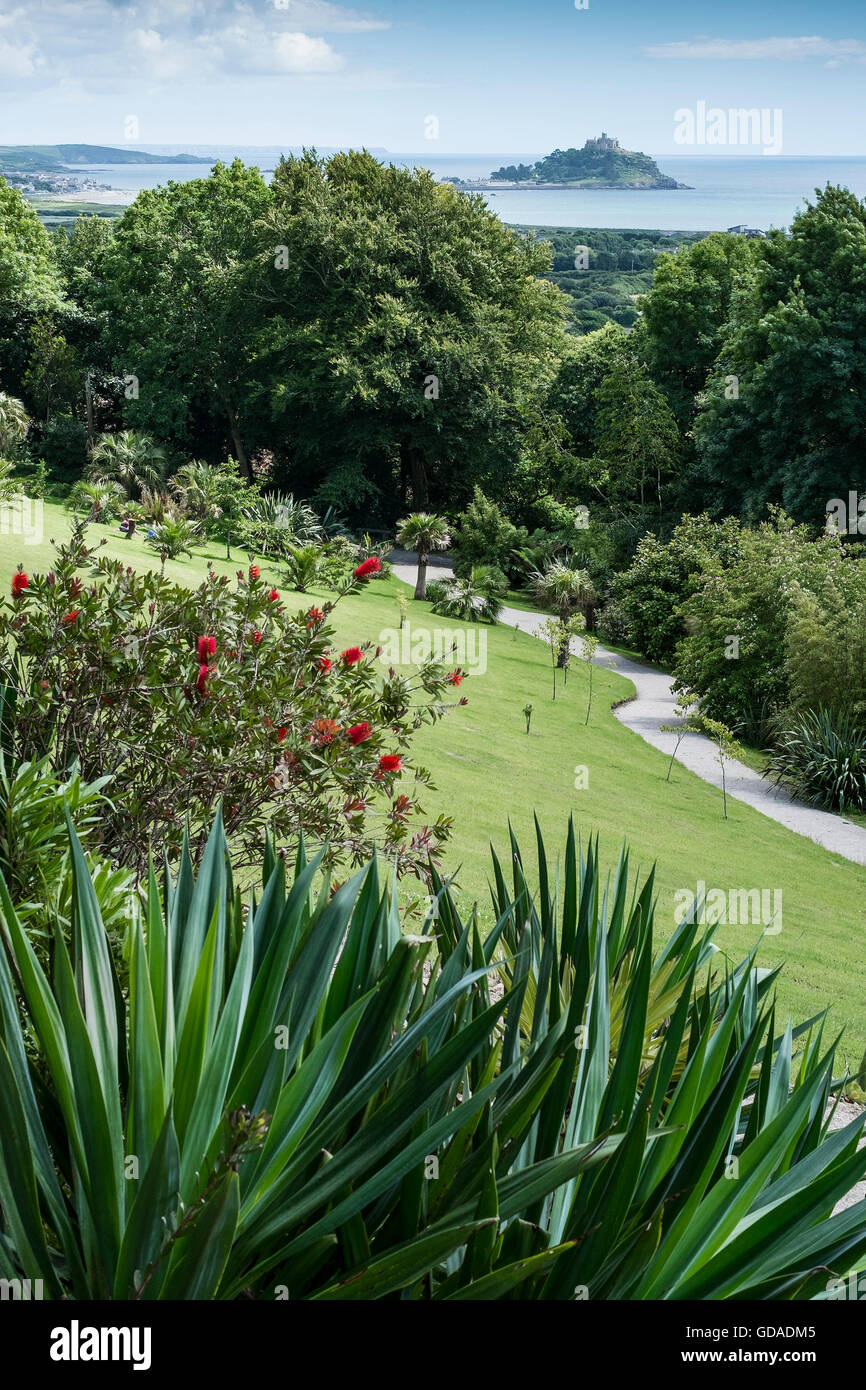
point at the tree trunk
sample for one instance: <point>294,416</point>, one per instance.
<point>420,496</point>
<point>421,582</point>
<point>88,405</point>
<point>240,451</point>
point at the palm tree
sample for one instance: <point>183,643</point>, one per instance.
<point>14,421</point>
<point>133,460</point>
<point>476,597</point>
<point>423,532</point>
<point>567,589</point>
<point>197,487</point>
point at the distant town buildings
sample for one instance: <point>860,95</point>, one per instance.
<point>743,230</point>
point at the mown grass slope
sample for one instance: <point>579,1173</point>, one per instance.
<point>488,771</point>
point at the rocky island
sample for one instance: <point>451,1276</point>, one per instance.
<point>602,163</point>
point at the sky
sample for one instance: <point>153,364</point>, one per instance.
<point>457,76</point>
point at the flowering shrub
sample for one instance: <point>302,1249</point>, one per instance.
<point>188,698</point>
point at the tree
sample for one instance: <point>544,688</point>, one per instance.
<point>133,460</point>
<point>29,279</point>
<point>637,441</point>
<point>782,418</point>
<point>423,532</point>
<point>407,328</point>
<point>14,422</point>
<point>565,587</point>
<point>685,315</point>
<point>181,277</point>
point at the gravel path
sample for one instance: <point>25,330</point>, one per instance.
<point>653,705</point>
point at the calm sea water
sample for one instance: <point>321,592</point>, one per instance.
<point>761,191</point>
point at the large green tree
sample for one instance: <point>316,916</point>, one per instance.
<point>409,332</point>
<point>686,313</point>
<point>794,429</point>
<point>181,280</point>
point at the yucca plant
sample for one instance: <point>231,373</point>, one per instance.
<point>288,1105</point>
<point>305,563</point>
<point>276,522</point>
<point>820,756</point>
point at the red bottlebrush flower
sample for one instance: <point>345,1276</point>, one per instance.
<point>359,732</point>
<point>391,762</point>
<point>71,615</point>
<point>456,677</point>
<point>206,648</point>
<point>314,617</point>
<point>257,637</point>
<point>352,655</point>
<point>273,596</point>
<point>281,733</point>
<point>325,663</point>
<point>74,588</point>
<point>202,677</point>
<point>19,584</point>
<point>254,571</point>
<point>367,567</point>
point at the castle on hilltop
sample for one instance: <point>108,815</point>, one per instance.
<point>604,142</point>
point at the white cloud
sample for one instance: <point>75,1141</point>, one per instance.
<point>301,53</point>
<point>833,51</point>
<point>327,18</point>
<point>163,40</point>
<point>18,60</point>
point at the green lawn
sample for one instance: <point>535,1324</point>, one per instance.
<point>487,771</point>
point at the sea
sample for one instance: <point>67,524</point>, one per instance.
<point>761,191</point>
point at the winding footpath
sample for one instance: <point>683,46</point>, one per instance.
<point>654,705</point>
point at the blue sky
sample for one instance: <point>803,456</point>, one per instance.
<point>497,75</point>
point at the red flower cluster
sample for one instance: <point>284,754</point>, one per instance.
<point>257,637</point>
<point>373,565</point>
<point>206,648</point>
<point>325,663</point>
<point>273,596</point>
<point>359,732</point>
<point>352,655</point>
<point>456,677</point>
<point>71,615</point>
<point>19,584</point>
<point>314,617</point>
<point>391,762</point>
<point>254,571</point>
<point>203,672</point>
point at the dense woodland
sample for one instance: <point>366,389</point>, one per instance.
<point>372,339</point>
